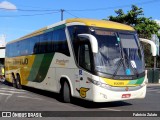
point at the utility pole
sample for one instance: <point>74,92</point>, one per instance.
<point>62,11</point>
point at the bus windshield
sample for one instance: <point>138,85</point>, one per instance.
<point>118,54</point>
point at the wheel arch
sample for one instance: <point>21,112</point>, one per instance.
<point>12,73</point>
<point>66,78</point>
<point>18,74</point>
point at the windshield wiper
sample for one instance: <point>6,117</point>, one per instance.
<point>118,66</point>
<point>121,61</point>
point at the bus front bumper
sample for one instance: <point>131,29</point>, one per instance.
<point>105,95</point>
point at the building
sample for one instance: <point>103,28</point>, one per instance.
<point>2,48</point>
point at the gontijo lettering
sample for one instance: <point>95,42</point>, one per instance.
<point>21,61</point>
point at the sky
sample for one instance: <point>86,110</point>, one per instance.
<point>21,17</point>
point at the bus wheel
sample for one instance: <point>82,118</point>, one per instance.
<point>19,86</point>
<point>66,93</point>
<point>14,81</point>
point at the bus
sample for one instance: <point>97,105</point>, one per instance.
<point>94,60</point>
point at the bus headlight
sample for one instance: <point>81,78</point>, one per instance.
<point>98,83</point>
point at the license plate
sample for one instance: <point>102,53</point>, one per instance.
<point>126,95</point>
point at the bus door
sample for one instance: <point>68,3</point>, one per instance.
<point>85,67</point>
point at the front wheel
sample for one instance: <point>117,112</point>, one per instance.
<point>66,93</point>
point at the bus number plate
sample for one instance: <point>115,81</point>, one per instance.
<point>126,95</point>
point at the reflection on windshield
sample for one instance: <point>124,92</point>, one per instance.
<point>109,53</point>
<point>118,53</point>
<point>132,52</point>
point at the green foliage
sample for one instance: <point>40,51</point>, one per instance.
<point>145,27</point>
<point>135,17</point>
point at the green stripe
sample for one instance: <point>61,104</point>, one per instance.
<point>132,82</point>
<point>140,80</point>
<point>35,67</point>
<point>47,59</point>
<point>136,82</point>
<point>40,67</point>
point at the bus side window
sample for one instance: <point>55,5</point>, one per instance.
<point>35,45</point>
<point>50,47</point>
<point>60,42</point>
<point>42,44</point>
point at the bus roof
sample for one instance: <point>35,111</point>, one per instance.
<point>79,21</point>
<point>102,23</point>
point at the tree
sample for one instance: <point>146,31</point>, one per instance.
<point>135,17</point>
<point>145,27</point>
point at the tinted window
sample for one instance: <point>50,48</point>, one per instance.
<point>42,44</point>
<point>34,42</point>
<point>52,41</point>
<point>74,31</point>
<point>50,47</point>
<point>60,41</point>
<point>84,57</point>
<point>23,47</point>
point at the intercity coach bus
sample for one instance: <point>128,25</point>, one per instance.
<point>94,60</point>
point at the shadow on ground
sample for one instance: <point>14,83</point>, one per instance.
<point>76,101</point>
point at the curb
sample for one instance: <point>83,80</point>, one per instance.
<point>153,84</point>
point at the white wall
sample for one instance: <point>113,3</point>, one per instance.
<point>2,53</point>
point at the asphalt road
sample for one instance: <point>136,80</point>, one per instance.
<point>28,99</point>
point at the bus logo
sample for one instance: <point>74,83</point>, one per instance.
<point>82,91</point>
<point>62,62</point>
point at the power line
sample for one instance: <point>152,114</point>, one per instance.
<point>37,7</point>
<point>35,10</point>
<point>71,14</point>
<point>62,12</point>
<point>28,10</point>
<point>51,11</point>
<point>28,15</point>
<point>120,6</point>
<point>95,9</point>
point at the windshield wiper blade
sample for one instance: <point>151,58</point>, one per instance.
<point>119,65</point>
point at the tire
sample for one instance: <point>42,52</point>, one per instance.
<point>14,81</point>
<point>18,82</point>
<point>66,93</point>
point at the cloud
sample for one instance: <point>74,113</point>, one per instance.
<point>157,21</point>
<point>7,5</point>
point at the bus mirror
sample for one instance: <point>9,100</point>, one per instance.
<point>152,44</point>
<point>92,40</point>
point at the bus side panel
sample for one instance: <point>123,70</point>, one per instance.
<point>8,63</point>
<point>18,65</point>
